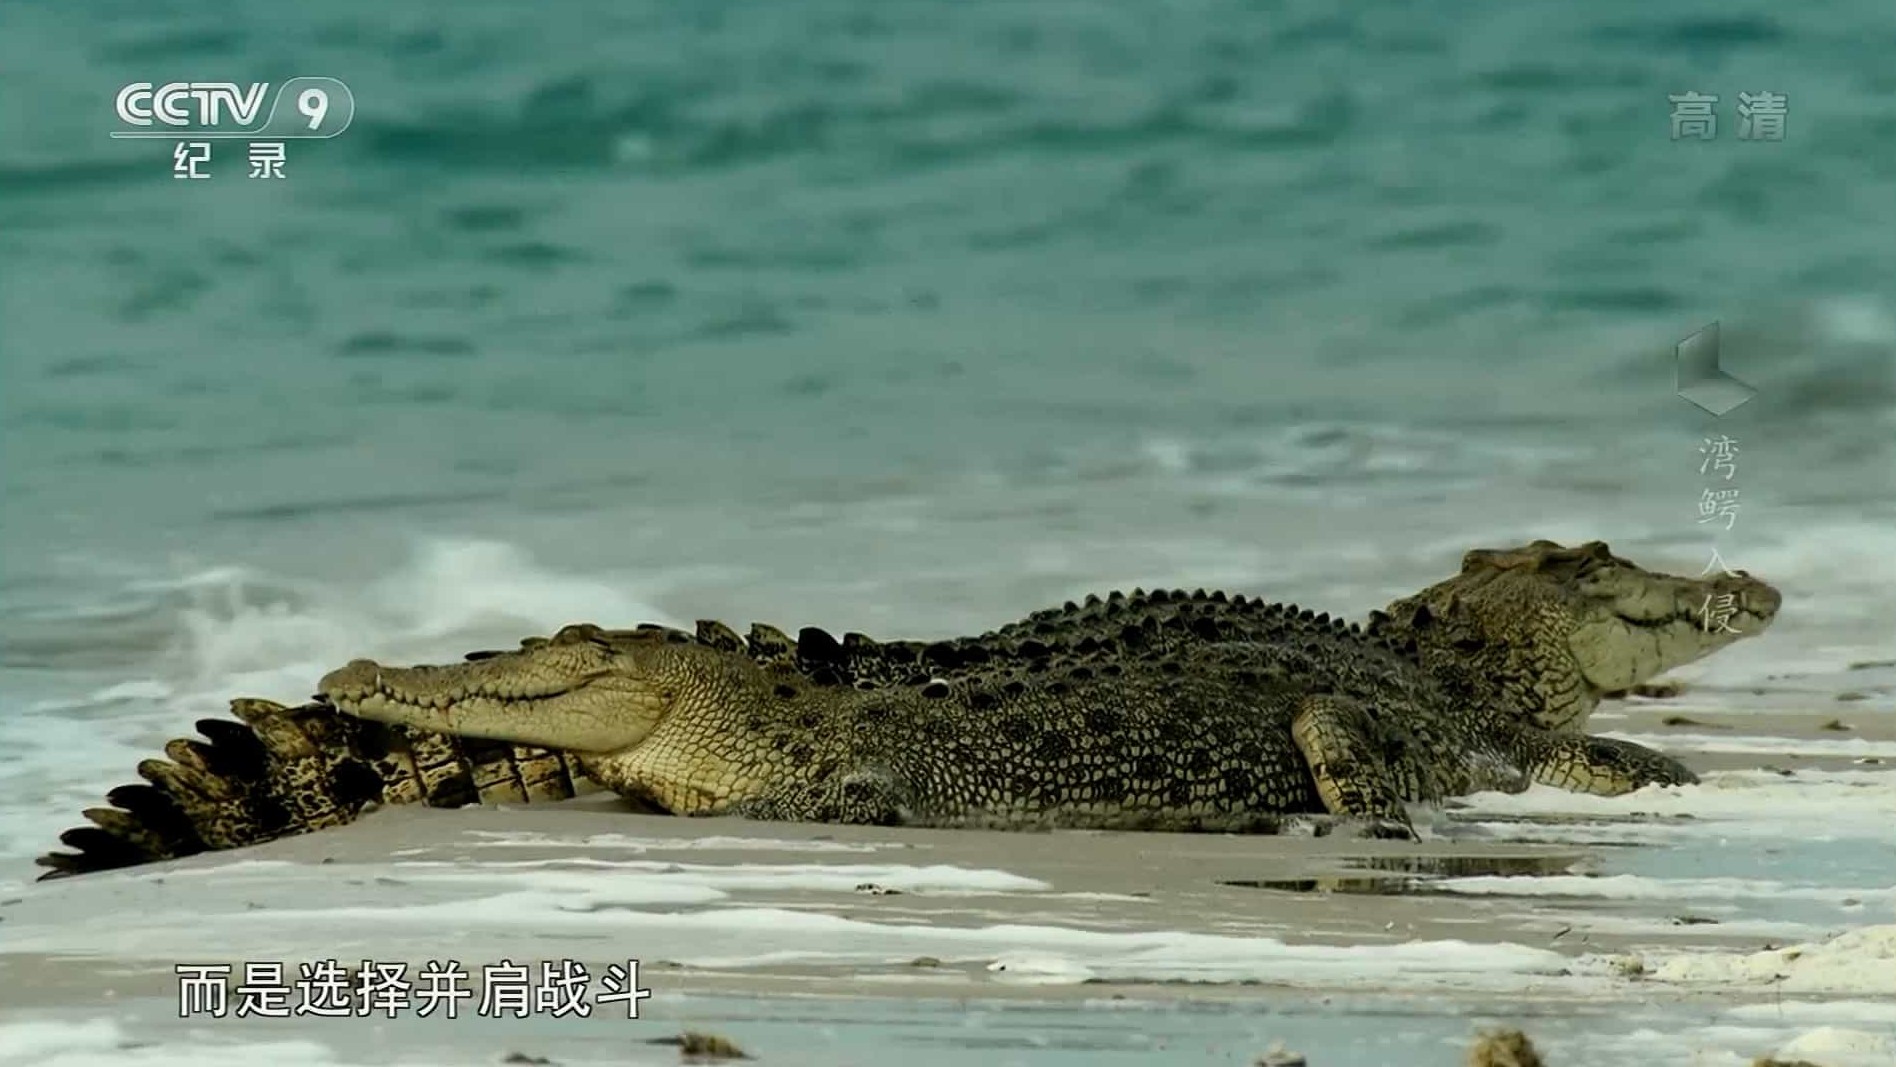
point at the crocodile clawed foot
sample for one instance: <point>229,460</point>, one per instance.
<point>1604,766</point>
<point>1362,829</point>
<point>1379,829</point>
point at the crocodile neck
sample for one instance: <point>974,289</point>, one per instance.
<point>1473,671</point>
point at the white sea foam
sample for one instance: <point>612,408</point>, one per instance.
<point>590,842</point>
<point>1636,887</point>
<point>1879,1013</point>
<point>240,636</point>
<point>34,1041</point>
<point>1808,806</point>
<point>1856,963</point>
<point>207,634</point>
<point>1031,968</point>
<point>453,586</point>
<point>654,881</point>
<point>102,1042</point>
<point>1835,1046</point>
<point>1751,744</point>
<point>1725,1045</point>
<point>586,874</point>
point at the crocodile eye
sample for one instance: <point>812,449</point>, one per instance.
<point>577,633</point>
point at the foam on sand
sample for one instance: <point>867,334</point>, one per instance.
<point>581,874</point>
<point>1860,962</point>
<point>712,843</point>
<point>659,881</point>
<point>1760,745</point>
<point>1638,887</point>
<point>103,1042</point>
<point>1835,1046</point>
<point>1811,805</point>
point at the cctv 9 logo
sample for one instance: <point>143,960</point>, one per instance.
<point>301,108</point>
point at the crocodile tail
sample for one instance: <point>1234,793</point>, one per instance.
<point>276,771</point>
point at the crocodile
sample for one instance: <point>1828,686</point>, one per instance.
<point>1159,710</point>
<point>1546,629</point>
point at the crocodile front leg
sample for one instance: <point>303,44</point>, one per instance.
<point>1603,766</point>
<point>1335,736</point>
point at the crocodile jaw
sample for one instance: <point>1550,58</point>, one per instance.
<point>1653,623</point>
<point>1623,624</point>
<point>581,691</point>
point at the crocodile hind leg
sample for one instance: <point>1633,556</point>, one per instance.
<point>1603,766</point>
<point>1351,772</point>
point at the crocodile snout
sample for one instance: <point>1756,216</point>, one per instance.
<point>358,677</point>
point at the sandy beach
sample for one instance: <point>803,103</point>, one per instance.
<point>1557,913</point>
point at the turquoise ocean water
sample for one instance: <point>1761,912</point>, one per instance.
<point>909,318</point>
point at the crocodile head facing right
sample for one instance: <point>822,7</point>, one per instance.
<point>1550,630</point>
